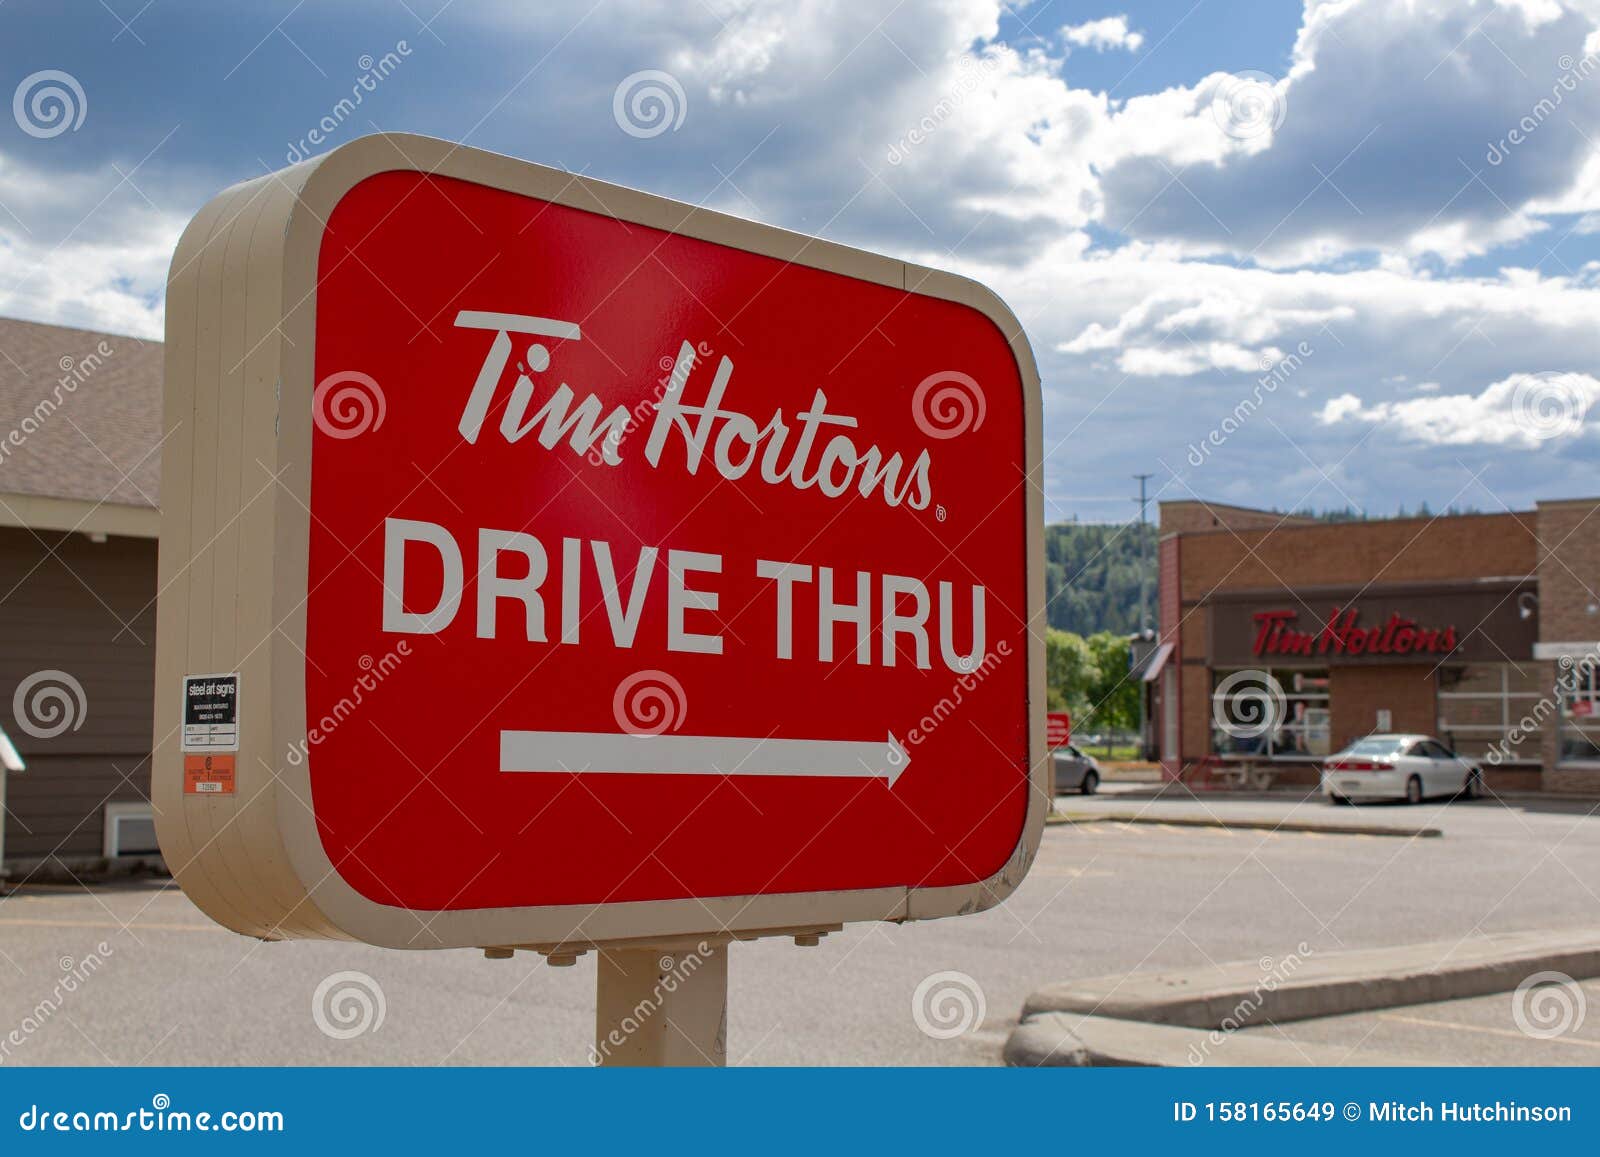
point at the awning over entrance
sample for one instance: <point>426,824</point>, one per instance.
<point>1158,660</point>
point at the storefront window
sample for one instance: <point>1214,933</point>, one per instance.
<point>1580,713</point>
<point>1281,714</point>
<point>1488,708</point>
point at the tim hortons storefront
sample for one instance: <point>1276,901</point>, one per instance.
<point>1283,639</point>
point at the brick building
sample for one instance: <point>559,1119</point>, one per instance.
<point>1283,639</point>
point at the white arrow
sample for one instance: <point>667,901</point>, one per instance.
<point>592,752</point>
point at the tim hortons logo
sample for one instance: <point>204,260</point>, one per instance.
<point>1340,635</point>
<point>732,441</point>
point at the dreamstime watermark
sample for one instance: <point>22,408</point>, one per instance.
<point>673,969</point>
<point>74,373</point>
<point>1550,404</point>
<point>347,404</point>
<point>946,1005</point>
<point>375,671</point>
<point>977,670</point>
<point>648,103</point>
<point>49,703</point>
<point>1572,72</point>
<point>947,404</point>
<point>1548,1004</point>
<point>373,73</point>
<point>1248,704</point>
<point>1274,973</point>
<point>674,376</point>
<point>1529,726</point>
<point>1249,104</point>
<point>1274,375</point>
<point>971,73</point>
<point>75,974</point>
<point>160,1117</point>
<point>48,103</point>
<point>649,703</point>
<point>348,1004</point>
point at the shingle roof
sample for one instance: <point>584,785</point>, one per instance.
<point>80,414</point>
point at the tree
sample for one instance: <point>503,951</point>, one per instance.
<point>1069,672</point>
<point>1113,694</point>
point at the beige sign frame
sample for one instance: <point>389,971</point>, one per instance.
<point>235,488</point>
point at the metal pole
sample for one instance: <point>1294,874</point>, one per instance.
<point>1144,569</point>
<point>1144,617</point>
<point>662,1006</point>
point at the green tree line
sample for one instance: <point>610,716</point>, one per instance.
<point>1088,677</point>
<point>1092,576</point>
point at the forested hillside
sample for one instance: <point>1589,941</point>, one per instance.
<point>1092,576</point>
<point>1092,570</point>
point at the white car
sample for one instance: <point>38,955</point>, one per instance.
<point>1408,767</point>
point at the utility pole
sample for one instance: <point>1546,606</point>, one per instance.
<point>1144,567</point>
<point>1145,745</point>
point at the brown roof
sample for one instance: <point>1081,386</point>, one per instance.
<point>80,414</point>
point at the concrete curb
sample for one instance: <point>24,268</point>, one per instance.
<point>1063,1039</point>
<point>1302,986</point>
<point>1332,829</point>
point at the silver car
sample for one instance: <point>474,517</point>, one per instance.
<point>1076,771</point>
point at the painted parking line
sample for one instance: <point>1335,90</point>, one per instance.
<point>1487,1030</point>
<point>137,925</point>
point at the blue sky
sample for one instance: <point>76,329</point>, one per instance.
<point>1274,254</point>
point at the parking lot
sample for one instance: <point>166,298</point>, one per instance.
<point>1104,898</point>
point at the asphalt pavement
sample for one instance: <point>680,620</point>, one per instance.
<point>171,988</point>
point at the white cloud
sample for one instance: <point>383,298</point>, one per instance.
<point>1106,33</point>
<point>83,249</point>
<point>1523,409</point>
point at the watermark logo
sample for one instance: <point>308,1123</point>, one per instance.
<point>1572,72</point>
<point>649,703</point>
<point>1248,704</point>
<point>1274,373</point>
<point>49,103</point>
<point>948,404</point>
<point>972,73</point>
<point>648,103</point>
<point>672,970</point>
<point>1274,974</point>
<point>347,1005</point>
<point>373,673</point>
<point>1549,405</point>
<point>75,973</point>
<point>974,670</point>
<point>1548,1004</point>
<point>49,703</point>
<point>1248,105</point>
<point>75,371</point>
<point>946,1005</point>
<point>373,73</point>
<point>348,404</point>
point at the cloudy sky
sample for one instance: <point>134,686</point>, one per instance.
<point>1341,255</point>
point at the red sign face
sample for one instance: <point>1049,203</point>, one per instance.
<point>1058,728</point>
<point>643,567</point>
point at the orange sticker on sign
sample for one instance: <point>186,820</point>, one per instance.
<point>208,775</point>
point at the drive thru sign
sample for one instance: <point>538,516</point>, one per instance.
<point>594,568</point>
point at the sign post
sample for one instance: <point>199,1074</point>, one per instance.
<point>550,566</point>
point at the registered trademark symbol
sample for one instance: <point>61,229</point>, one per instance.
<point>938,512</point>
